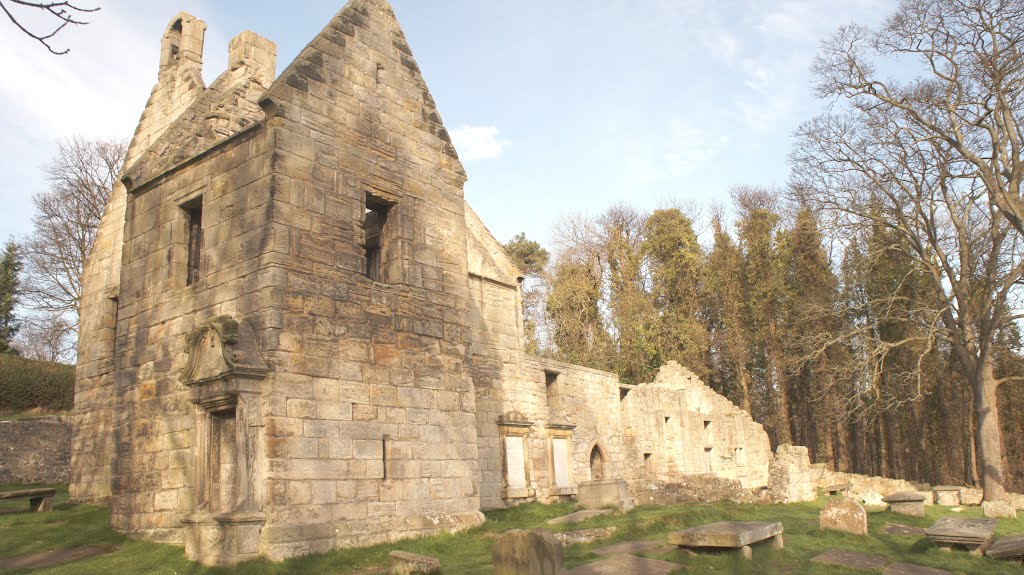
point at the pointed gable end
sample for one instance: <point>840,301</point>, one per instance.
<point>359,74</point>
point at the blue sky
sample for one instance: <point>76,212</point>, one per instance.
<point>556,107</point>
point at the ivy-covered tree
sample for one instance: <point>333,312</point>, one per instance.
<point>10,289</point>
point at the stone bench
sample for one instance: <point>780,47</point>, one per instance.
<point>906,503</point>
<point>838,489</point>
<point>739,535</point>
<point>38,499</point>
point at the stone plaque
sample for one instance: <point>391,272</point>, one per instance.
<point>515,458</point>
<point>560,459</point>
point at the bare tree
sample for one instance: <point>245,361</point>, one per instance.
<point>46,338</point>
<point>58,15</point>
<point>969,94</point>
<point>874,166</point>
<point>81,176</point>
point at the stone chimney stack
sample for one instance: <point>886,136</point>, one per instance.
<point>259,54</point>
<point>182,44</point>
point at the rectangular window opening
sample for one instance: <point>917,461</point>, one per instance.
<point>384,454</point>
<point>194,226</point>
<point>649,463</point>
<point>374,220</point>
<point>550,381</point>
<point>708,468</point>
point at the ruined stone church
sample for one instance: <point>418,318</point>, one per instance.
<point>296,335</point>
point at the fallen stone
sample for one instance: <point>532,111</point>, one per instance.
<point>578,516</point>
<point>532,552</point>
<point>629,548</point>
<point>898,529</point>
<point>58,557</point>
<point>842,514</point>
<point>971,496</point>
<point>851,559</point>
<point>871,498</point>
<point>405,563</point>
<point>626,565</point>
<point>998,509</point>
<point>584,535</point>
<point>911,569</point>
<point>1011,547</point>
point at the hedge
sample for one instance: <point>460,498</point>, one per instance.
<point>26,384</point>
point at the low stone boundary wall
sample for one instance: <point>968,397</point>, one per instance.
<point>35,450</point>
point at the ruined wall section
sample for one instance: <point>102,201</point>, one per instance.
<point>371,421</point>
<point>677,426</point>
<point>178,86</point>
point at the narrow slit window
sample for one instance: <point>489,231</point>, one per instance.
<point>194,224</point>
<point>374,220</point>
<point>551,386</point>
<point>384,454</point>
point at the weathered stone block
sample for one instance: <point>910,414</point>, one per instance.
<point>406,563</point>
<point>533,552</point>
<point>998,509</point>
<point>599,493</point>
<point>842,514</point>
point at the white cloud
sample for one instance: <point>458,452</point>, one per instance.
<point>478,142</point>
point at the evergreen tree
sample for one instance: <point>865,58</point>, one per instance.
<point>10,289</point>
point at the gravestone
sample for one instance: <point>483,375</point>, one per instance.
<point>632,548</point>
<point>911,569</point>
<point>406,563</point>
<point>738,535</point>
<point>1011,548</point>
<point>599,493</point>
<point>842,514</point>
<point>973,534</point>
<point>948,495</point>
<point>851,559</point>
<point>906,503</point>
<point>578,516</point>
<point>998,509</point>
<point>626,565</point>
<point>532,552</point>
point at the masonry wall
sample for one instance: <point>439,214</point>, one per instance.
<point>35,450</point>
<point>371,425</point>
<point>152,474</point>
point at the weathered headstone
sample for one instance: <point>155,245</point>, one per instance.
<point>631,548</point>
<point>973,534</point>
<point>948,495</point>
<point>626,565</point>
<point>578,516</point>
<point>842,514</point>
<point>406,563</point>
<point>998,509</point>
<point>738,535</point>
<point>911,569</point>
<point>1011,547</point>
<point>532,552</point>
<point>599,493</point>
<point>850,559</point>
<point>906,503</point>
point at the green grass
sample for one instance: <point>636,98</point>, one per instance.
<point>469,553</point>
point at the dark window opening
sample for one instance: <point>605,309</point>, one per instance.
<point>374,220</point>
<point>550,379</point>
<point>667,419</point>
<point>648,463</point>
<point>194,225</point>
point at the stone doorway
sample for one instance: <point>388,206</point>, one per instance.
<point>596,463</point>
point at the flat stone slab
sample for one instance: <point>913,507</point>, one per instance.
<point>851,559</point>
<point>578,516</point>
<point>962,531</point>
<point>911,569</point>
<point>58,557</point>
<point>1010,547</point>
<point>626,565</point>
<point>630,548</point>
<point>899,529</point>
<point>729,534</point>
<point>904,497</point>
<point>584,535</point>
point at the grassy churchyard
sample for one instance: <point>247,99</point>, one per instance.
<point>73,526</point>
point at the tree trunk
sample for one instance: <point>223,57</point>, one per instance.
<point>988,434</point>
